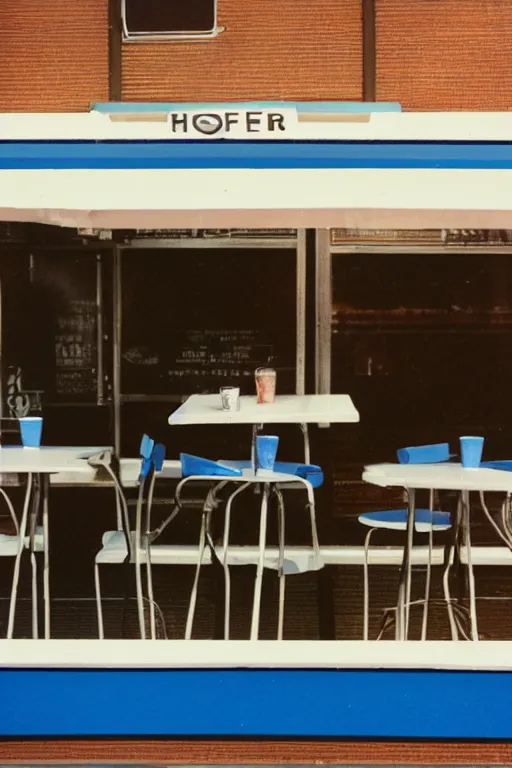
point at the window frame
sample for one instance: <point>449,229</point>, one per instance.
<point>134,36</point>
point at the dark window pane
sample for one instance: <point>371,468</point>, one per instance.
<point>198,319</point>
<point>170,15</point>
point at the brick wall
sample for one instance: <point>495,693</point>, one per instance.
<point>445,54</point>
<point>53,54</point>
<point>431,54</point>
<point>289,49</point>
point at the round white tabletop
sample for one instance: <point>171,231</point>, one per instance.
<point>440,477</point>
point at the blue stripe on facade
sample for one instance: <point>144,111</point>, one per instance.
<point>293,703</point>
<point>178,154</point>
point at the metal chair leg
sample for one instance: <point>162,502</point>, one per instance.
<point>149,565</point>
<point>138,565</point>
<point>17,562</point>
<point>225,565</point>
<point>193,595</point>
<point>366,581</point>
<point>33,561</point>
<point>255,622</point>
<point>35,616</point>
<point>280,565</point>
<point>424,624</point>
<point>99,609</point>
<point>151,595</point>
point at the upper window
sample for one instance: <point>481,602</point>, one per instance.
<point>169,18</point>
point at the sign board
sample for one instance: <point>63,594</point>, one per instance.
<point>232,123</point>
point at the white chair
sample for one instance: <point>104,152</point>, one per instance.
<point>219,475</point>
<point>426,521</point>
<point>134,547</point>
<point>12,545</point>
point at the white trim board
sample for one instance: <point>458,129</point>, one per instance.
<point>236,654</point>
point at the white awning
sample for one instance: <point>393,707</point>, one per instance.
<point>393,171</point>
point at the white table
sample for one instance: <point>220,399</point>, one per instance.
<point>446,476</point>
<point>287,409</point>
<point>442,477</point>
<point>41,462</point>
<point>46,460</point>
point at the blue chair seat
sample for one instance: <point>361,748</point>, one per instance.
<point>310,472</point>
<point>396,520</point>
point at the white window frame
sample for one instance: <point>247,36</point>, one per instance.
<point>138,37</point>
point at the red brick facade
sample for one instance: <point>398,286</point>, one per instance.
<point>53,54</point>
<point>431,54</point>
<point>295,50</point>
<point>445,54</point>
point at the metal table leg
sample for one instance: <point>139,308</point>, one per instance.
<point>471,575</point>
<point>307,449</point>
<point>45,480</point>
<point>451,554</point>
<point>402,614</point>
<point>255,623</point>
<point>37,629</point>
<point>280,564</point>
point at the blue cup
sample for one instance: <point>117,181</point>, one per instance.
<point>266,451</point>
<point>471,451</point>
<point>31,428</point>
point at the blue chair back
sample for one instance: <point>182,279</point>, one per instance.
<point>158,457</point>
<point>146,447</point>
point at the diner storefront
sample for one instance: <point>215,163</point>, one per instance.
<point>150,253</point>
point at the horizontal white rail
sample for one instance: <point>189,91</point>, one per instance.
<point>179,554</point>
<point>262,654</point>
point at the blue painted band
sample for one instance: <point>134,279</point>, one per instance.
<point>337,107</point>
<point>178,154</point>
<point>395,704</point>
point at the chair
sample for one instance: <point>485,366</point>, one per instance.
<point>427,521</point>
<point>220,474</point>
<point>123,546</point>
<point>12,546</point>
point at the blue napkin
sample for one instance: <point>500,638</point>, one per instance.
<point>424,454</point>
<point>196,465</point>
<point>310,472</point>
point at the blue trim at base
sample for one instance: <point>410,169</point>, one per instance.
<point>180,154</point>
<point>221,703</point>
